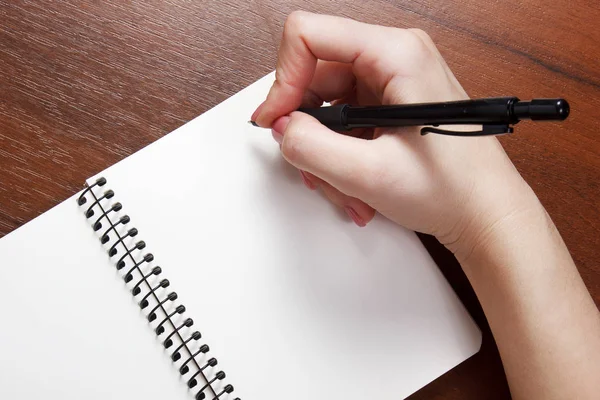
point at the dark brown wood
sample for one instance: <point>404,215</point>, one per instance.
<point>85,83</point>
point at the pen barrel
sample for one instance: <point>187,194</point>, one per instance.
<point>488,111</point>
<point>482,111</point>
<point>334,117</point>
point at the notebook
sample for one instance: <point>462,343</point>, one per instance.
<point>200,267</point>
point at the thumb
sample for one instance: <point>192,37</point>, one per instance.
<point>344,162</point>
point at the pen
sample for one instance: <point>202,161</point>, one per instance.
<point>495,115</point>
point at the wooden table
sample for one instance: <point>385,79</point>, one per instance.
<point>85,83</point>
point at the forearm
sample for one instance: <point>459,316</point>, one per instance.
<point>544,321</point>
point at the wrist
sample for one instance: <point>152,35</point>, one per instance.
<point>501,218</point>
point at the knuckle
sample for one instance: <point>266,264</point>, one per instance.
<point>293,23</point>
<point>280,75</point>
<point>417,47</point>
<point>412,48</point>
<point>424,36</point>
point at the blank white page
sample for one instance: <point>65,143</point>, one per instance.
<point>70,330</point>
<point>293,299</point>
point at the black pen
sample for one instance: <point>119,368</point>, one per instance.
<point>495,115</point>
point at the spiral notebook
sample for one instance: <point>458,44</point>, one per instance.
<point>201,268</point>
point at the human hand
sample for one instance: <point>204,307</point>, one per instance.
<point>451,187</point>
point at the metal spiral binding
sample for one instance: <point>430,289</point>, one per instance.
<point>147,284</point>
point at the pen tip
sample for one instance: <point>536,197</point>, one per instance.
<point>253,123</point>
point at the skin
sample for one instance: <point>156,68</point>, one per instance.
<point>464,191</point>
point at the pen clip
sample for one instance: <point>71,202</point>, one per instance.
<point>486,130</point>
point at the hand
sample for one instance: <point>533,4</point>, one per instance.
<point>453,188</point>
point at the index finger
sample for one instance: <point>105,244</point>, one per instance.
<point>307,38</point>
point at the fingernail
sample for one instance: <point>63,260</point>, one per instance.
<point>278,128</point>
<point>256,113</point>
<point>307,182</point>
<point>355,217</point>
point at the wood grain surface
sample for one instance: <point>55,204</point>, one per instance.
<point>85,83</point>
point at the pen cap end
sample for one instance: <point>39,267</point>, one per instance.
<point>549,109</point>
<point>563,109</point>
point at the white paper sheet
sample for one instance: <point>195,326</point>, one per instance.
<point>69,329</point>
<point>294,300</point>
